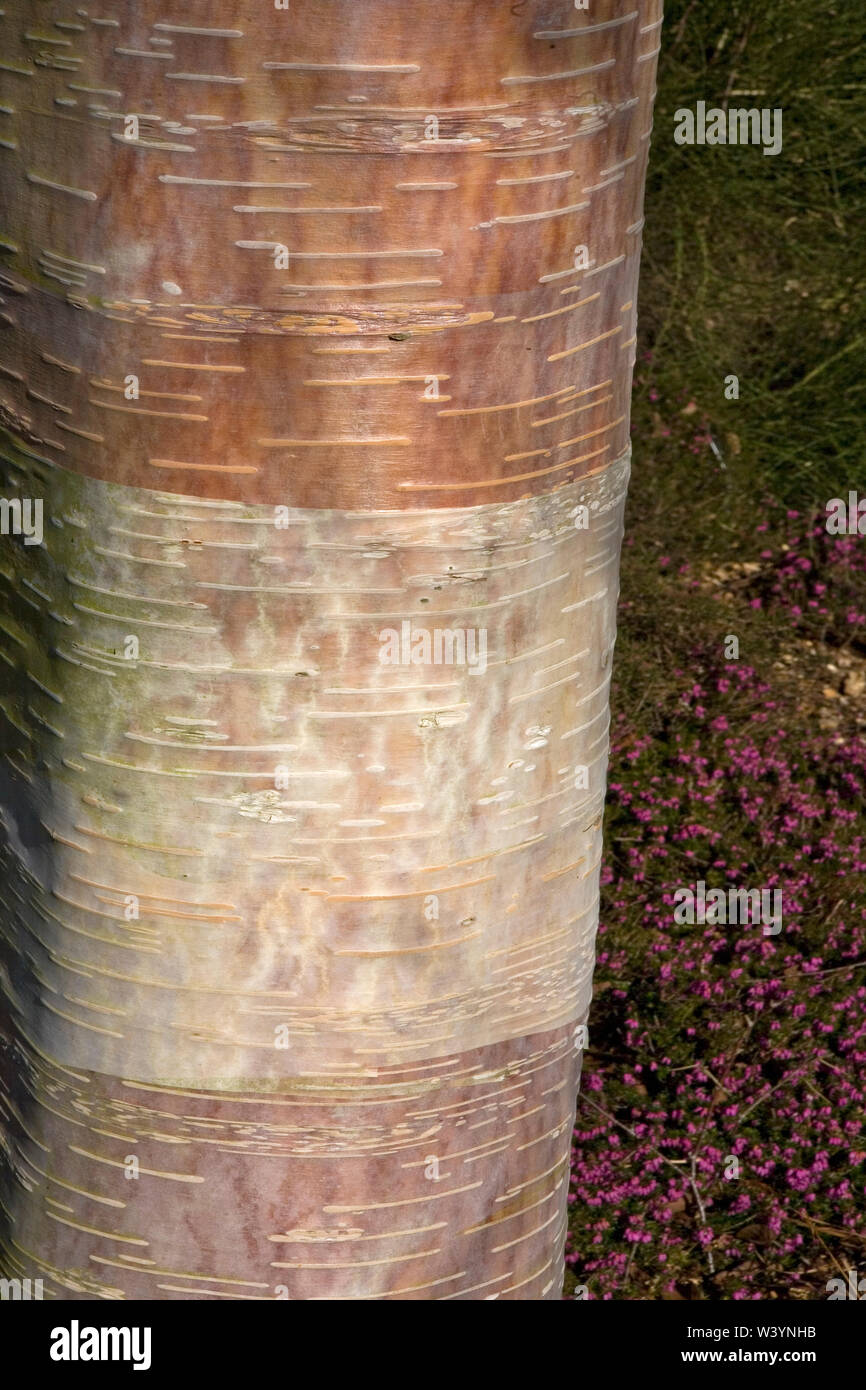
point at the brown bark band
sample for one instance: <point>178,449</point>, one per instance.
<point>455,320</point>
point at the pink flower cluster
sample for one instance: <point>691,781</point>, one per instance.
<point>719,1148</point>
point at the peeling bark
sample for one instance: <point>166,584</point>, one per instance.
<point>298,940</point>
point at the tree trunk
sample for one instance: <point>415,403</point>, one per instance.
<point>317,340</point>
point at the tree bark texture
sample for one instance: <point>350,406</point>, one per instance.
<point>318,324</point>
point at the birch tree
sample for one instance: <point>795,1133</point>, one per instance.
<point>318,325</point>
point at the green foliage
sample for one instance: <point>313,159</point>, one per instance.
<point>755,264</point>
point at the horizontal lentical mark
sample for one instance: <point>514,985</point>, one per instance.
<point>558,76</point>
<point>205,33</point>
<point>585,29</point>
<point>227,183</point>
<point>341,67</point>
<point>62,187</point>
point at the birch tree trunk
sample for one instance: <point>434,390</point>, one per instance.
<point>317,339</point>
